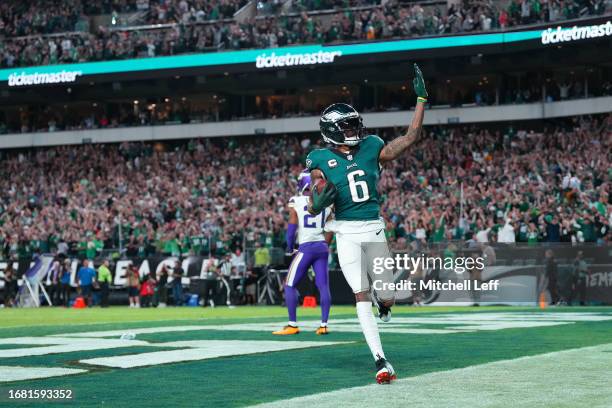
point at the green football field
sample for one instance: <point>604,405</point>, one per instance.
<point>194,357</point>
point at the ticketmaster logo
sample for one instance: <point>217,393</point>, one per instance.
<point>24,79</point>
<point>561,34</point>
<point>288,60</point>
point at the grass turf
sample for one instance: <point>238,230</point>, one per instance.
<point>265,377</point>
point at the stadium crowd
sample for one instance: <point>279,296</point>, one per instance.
<point>203,26</point>
<point>513,184</point>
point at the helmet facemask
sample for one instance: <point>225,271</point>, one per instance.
<point>352,128</point>
<point>341,124</point>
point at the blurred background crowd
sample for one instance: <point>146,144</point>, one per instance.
<point>209,196</point>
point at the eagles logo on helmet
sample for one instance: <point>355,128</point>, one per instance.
<point>341,124</point>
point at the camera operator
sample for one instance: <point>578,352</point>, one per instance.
<point>133,282</point>
<point>161,294</point>
<point>177,284</point>
<point>64,280</point>
<point>10,285</point>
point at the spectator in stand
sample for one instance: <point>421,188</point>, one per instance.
<point>553,229</point>
<point>161,293</point>
<point>507,235</point>
<point>104,278</point>
<point>86,276</point>
<point>62,248</point>
<point>133,283</point>
<point>237,261</point>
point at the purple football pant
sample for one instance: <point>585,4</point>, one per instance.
<point>306,257</point>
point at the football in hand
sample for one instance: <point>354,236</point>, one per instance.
<point>319,185</point>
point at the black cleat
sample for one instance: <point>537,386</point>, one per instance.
<point>384,312</point>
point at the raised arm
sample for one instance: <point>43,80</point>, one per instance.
<point>397,146</point>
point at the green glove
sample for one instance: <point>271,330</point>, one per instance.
<point>323,199</point>
<point>419,83</point>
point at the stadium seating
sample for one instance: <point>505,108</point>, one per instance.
<point>74,31</point>
<point>234,191</point>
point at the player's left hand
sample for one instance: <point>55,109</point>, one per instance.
<point>324,199</point>
<point>419,83</point>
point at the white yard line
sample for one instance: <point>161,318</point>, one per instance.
<point>202,350</point>
<point>16,373</point>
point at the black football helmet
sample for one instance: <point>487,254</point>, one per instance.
<point>341,124</point>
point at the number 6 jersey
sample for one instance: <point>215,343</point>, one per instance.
<point>355,175</point>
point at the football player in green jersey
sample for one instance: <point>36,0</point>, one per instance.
<point>351,167</point>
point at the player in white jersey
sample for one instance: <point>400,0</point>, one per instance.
<point>312,251</point>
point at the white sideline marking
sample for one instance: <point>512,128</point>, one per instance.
<point>17,373</point>
<point>55,345</point>
<point>569,378</point>
<point>145,330</point>
<point>334,326</point>
<point>203,349</point>
<point>47,340</point>
<point>451,323</point>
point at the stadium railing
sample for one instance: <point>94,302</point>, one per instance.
<point>305,124</point>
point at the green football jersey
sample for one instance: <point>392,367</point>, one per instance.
<point>355,175</point>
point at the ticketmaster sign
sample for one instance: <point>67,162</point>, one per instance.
<point>288,59</point>
<point>575,33</point>
<point>35,78</point>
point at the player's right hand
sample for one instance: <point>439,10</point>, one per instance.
<point>323,199</point>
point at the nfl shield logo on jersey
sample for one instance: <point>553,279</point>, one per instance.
<point>349,157</point>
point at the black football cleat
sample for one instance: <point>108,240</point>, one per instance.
<point>384,312</point>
